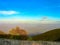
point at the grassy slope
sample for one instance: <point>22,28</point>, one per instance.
<point>48,36</point>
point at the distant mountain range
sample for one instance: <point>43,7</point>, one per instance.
<point>52,35</point>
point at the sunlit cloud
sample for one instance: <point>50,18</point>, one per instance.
<point>8,12</point>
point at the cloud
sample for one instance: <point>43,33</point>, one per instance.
<point>44,18</point>
<point>49,20</point>
<point>8,12</point>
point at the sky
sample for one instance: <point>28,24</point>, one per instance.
<point>31,15</point>
<point>29,10</point>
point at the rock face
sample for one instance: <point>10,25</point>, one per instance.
<point>17,31</point>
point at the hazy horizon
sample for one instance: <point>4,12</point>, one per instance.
<point>30,28</point>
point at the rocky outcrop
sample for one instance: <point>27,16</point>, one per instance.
<point>17,31</point>
<point>1,32</point>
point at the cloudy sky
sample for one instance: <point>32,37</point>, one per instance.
<point>30,11</point>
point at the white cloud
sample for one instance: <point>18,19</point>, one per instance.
<point>8,12</point>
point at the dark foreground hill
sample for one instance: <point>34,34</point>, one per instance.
<point>53,35</point>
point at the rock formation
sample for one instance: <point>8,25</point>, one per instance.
<point>17,31</point>
<point>1,32</point>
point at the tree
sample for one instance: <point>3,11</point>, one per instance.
<point>29,38</point>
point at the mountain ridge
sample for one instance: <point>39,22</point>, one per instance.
<point>52,35</point>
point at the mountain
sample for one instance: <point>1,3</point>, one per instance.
<point>52,35</point>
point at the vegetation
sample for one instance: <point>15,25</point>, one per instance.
<point>53,35</point>
<point>30,38</point>
<point>17,37</point>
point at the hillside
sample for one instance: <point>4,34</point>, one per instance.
<point>53,35</point>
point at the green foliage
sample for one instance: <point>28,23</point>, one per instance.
<point>30,39</point>
<point>52,35</point>
<point>17,37</point>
